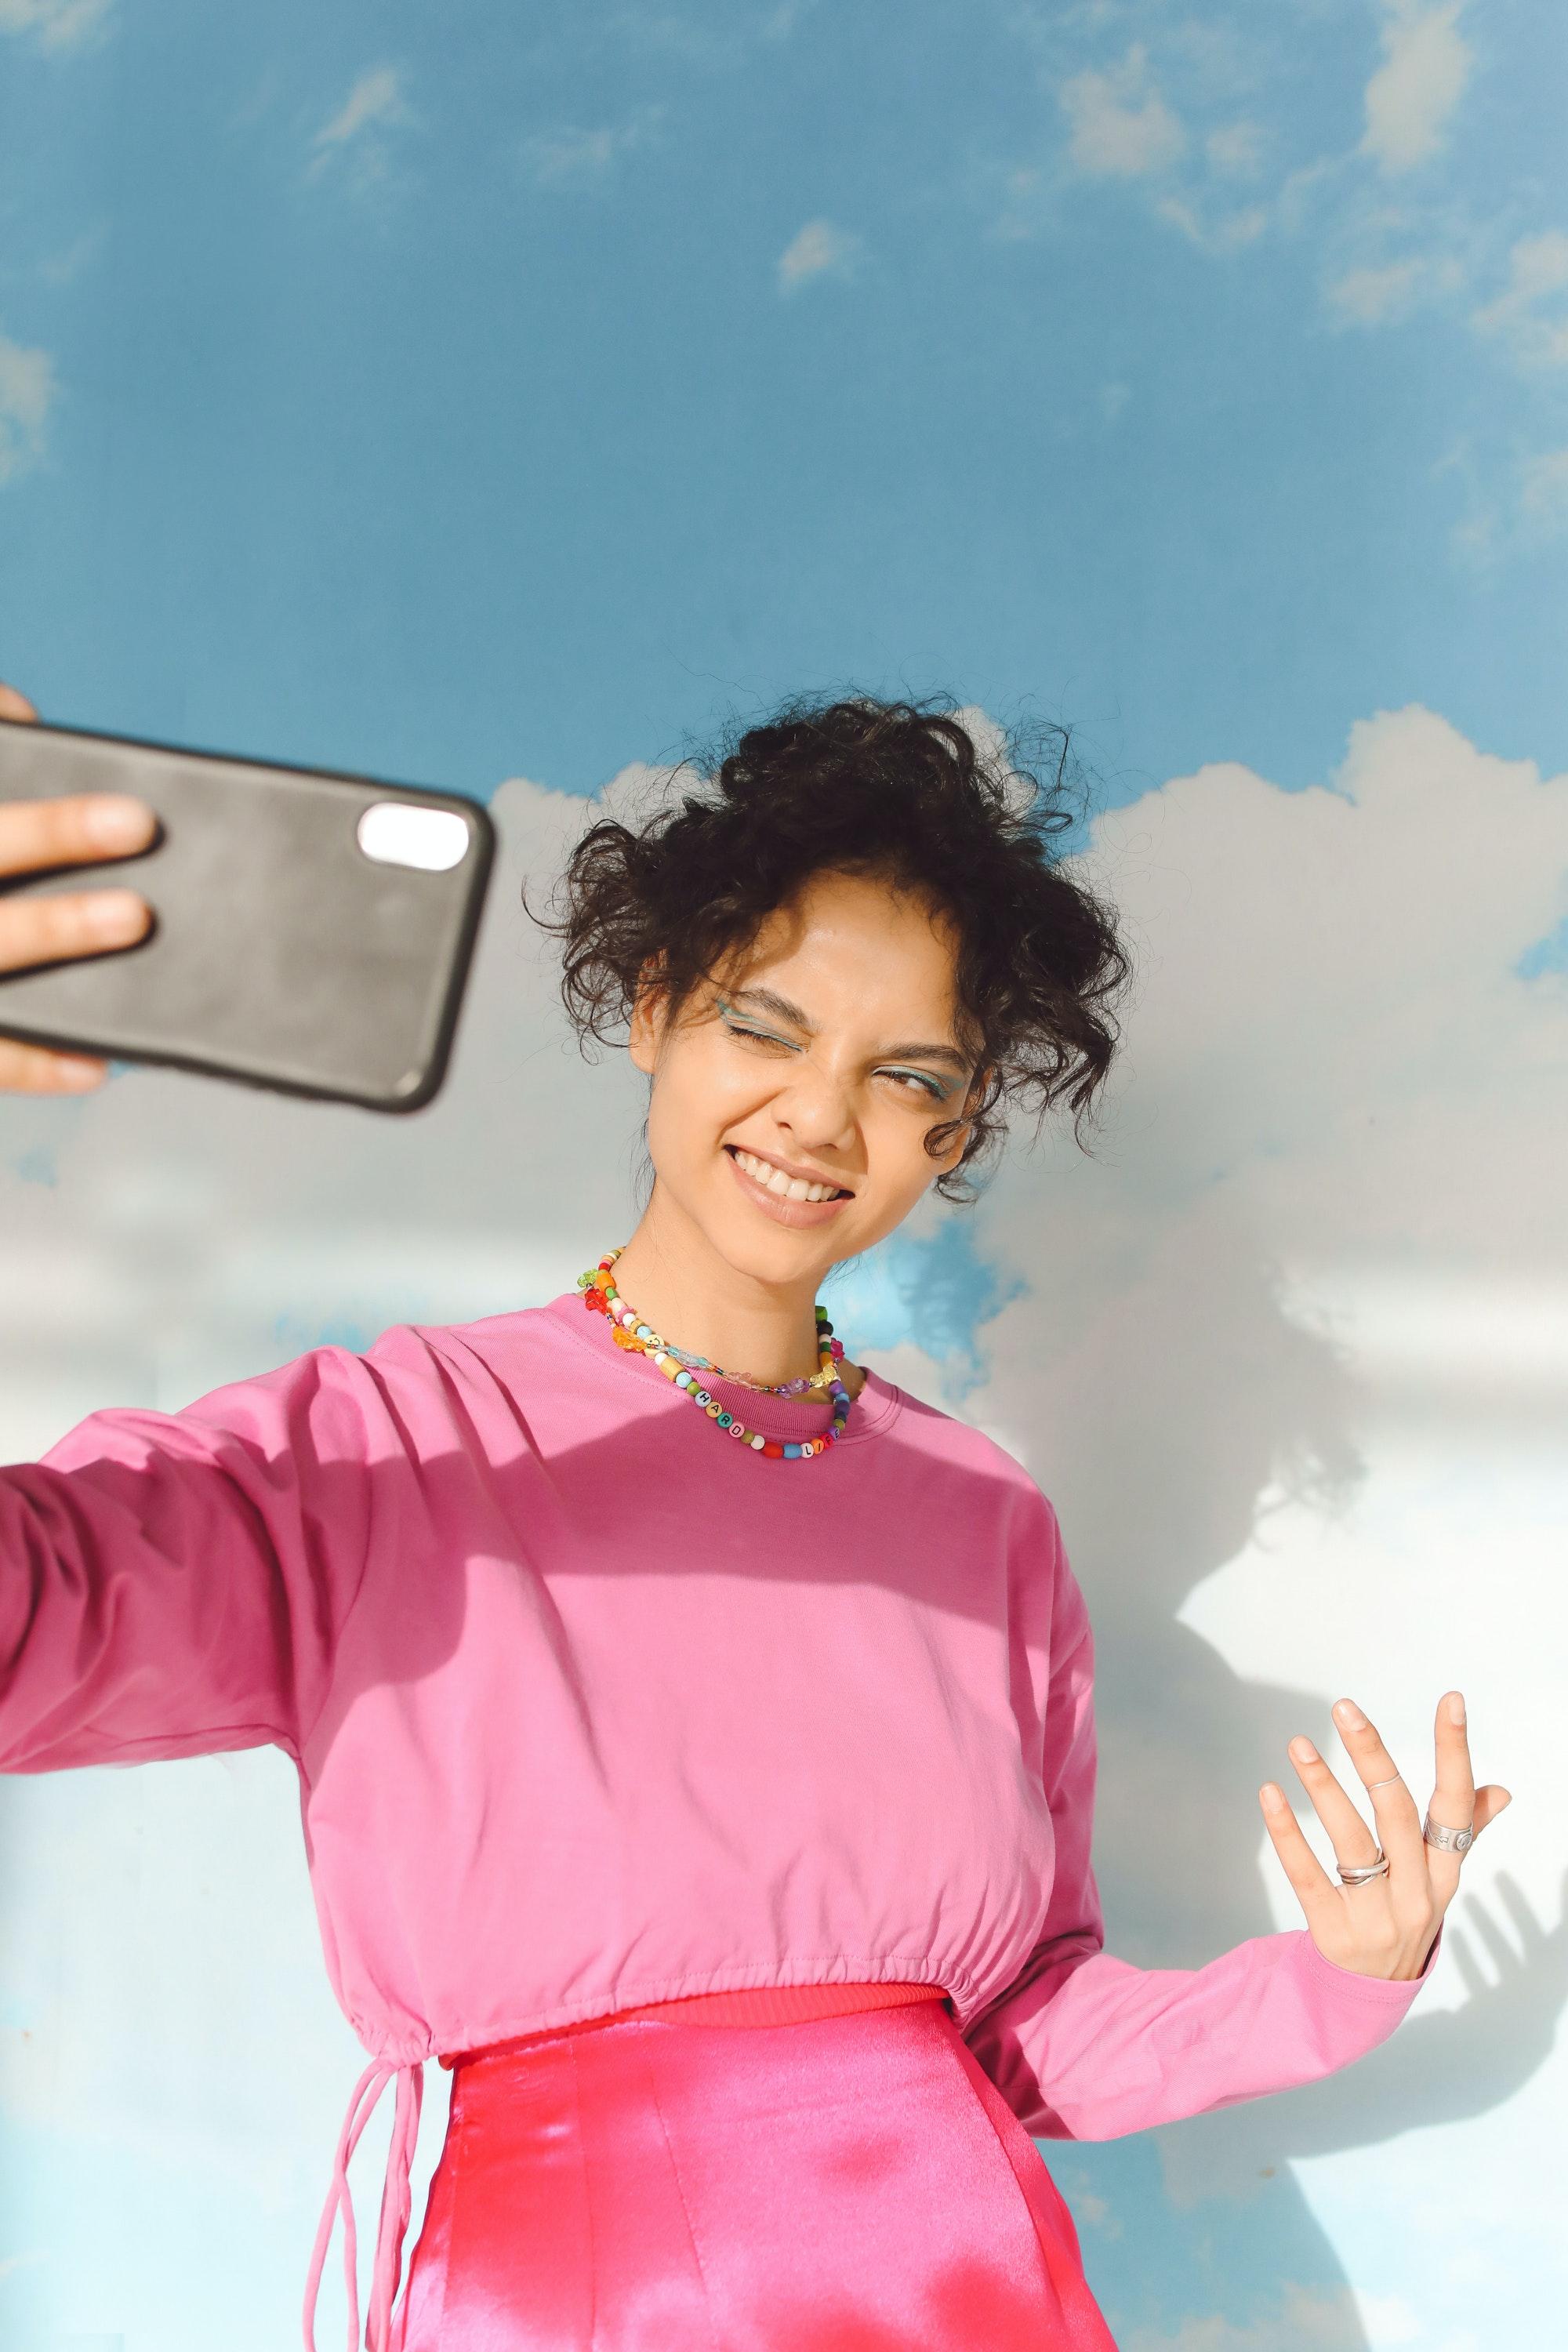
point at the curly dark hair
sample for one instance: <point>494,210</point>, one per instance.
<point>897,791</point>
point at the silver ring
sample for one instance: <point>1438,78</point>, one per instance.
<point>1360,1875</point>
<point>1448,1840</point>
<point>1385,1784</point>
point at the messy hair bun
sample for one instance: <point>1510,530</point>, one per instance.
<point>893,790</point>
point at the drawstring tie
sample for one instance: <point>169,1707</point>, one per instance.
<point>396,2204</point>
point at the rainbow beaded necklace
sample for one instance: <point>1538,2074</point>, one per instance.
<point>600,1296</point>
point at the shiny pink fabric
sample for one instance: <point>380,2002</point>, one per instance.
<point>849,2183</point>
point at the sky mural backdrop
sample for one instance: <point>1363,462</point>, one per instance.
<point>499,397</point>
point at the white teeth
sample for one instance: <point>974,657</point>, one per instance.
<point>788,1188</point>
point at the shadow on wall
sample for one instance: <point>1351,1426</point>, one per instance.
<point>1169,1413</point>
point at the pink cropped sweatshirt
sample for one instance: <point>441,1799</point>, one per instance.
<point>592,1707</point>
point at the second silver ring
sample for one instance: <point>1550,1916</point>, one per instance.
<point>1360,1875</point>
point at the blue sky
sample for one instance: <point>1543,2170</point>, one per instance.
<point>466,393</point>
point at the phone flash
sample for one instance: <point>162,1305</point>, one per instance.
<point>433,840</point>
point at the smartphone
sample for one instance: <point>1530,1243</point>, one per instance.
<point>313,931</point>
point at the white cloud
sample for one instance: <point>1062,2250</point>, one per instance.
<point>1377,294</point>
<point>376,97</point>
<point>818,250</point>
<point>63,266</point>
<point>54,24</point>
<point>374,107</point>
<point>1182,114</point>
<point>1531,312</point>
<point>571,157</point>
<point>1528,506</point>
<point>779,23</point>
<point>1222,233</point>
<point>27,394</point>
<point>1370,297</point>
<point>1293,1364</point>
<point>1120,125</point>
<point>1321,1242</point>
<point>1389,2321</point>
<point>1412,96</point>
<point>1235,148</point>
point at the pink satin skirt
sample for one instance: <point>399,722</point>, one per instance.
<point>655,2183</point>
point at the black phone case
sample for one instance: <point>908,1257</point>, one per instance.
<point>281,955</point>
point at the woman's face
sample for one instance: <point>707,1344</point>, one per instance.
<point>827,1053</point>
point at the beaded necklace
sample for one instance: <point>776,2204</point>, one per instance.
<point>600,1296</point>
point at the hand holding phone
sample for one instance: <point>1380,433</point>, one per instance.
<point>35,836</point>
<point>308,931</point>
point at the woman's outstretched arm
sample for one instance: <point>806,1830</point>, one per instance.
<point>1087,2046</point>
<point>172,1584</point>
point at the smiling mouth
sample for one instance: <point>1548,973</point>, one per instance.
<point>783,1188</point>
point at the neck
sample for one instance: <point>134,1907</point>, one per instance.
<point>676,1279</point>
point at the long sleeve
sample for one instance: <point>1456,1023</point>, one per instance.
<point>172,1584</point>
<point>1086,2046</point>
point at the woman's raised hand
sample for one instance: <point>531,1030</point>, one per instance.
<point>34,837</point>
<point>1383,1926</point>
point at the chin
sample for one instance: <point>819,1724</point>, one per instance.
<point>766,1258</point>
<point>769,1254</point>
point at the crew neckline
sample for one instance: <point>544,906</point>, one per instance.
<point>785,1419</point>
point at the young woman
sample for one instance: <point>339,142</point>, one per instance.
<point>694,1729</point>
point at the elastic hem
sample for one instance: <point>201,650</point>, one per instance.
<point>806,1968</point>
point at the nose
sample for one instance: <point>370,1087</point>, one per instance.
<point>817,1106</point>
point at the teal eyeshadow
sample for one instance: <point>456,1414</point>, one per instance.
<point>938,1092</point>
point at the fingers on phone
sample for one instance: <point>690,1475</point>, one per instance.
<point>72,830</point>
<point>13,705</point>
<point>73,923</point>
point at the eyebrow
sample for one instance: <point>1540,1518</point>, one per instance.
<point>783,1009</point>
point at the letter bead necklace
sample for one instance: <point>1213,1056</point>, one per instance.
<point>600,1296</point>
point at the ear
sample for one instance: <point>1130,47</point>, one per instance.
<point>647,1025</point>
<point>960,1143</point>
<point>952,1155</point>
